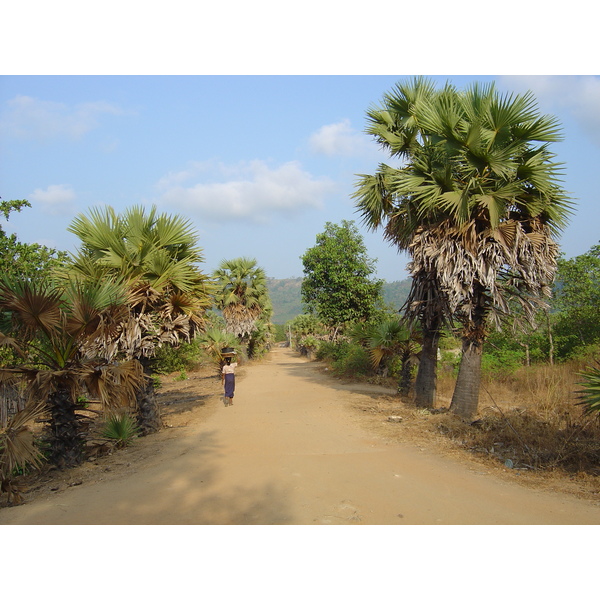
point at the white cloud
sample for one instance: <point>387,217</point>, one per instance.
<point>340,139</point>
<point>249,191</point>
<point>27,117</point>
<point>55,199</point>
<point>579,95</point>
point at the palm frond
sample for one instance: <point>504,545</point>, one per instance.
<point>17,444</point>
<point>590,394</point>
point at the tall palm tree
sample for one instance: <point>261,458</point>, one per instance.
<point>56,332</point>
<point>386,200</point>
<point>478,207</point>
<point>242,296</point>
<point>157,257</point>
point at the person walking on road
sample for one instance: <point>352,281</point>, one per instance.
<point>228,379</point>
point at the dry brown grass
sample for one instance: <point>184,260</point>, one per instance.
<point>530,418</point>
<point>528,425</point>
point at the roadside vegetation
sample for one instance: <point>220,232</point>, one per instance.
<point>85,337</point>
<point>496,348</point>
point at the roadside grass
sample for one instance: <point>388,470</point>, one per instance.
<point>528,420</point>
<point>532,419</point>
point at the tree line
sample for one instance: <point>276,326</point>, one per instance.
<point>90,326</point>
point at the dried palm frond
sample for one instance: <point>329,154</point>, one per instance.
<point>495,265</point>
<point>113,384</point>
<point>17,447</point>
<point>240,320</point>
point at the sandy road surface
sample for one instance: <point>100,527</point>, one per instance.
<point>288,452</point>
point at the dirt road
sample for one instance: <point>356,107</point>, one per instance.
<point>289,452</point>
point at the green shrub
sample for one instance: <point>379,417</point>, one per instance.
<point>332,351</point>
<point>183,358</point>
<point>121,428</point>
<point>354,361</point>
<point>502,361</point>
<point>590,394</point>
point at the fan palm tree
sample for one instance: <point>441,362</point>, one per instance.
<point>478,206</point>
<point>242,296</point>
<point>56,332</point>
<point>385,200</point>
<point>385,340</point>
<point>156,256</point>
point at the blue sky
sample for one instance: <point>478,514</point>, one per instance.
<point>258,163</point>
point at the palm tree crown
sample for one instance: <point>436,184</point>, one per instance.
<point>158,257</point>
<point>243,295</point>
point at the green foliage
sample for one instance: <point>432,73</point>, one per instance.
<point>26,261</point>
<point>331,351</point>
<point>590,394</point>
<point>121,428</point>
<point>8,206</point>
<point>303,326</point>
<point>260,339</point>
<point>577,302</point>
<point>184,357</point>
<point>243,297</point>
<point>502,362</point>
<point>286,297</point>
<point>155,380</point>
<point>346,358</point>
<point>355,361</point>
<point>337,287</point>
<point>280,333</point>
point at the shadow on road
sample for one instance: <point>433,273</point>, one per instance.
<point>316,373</point>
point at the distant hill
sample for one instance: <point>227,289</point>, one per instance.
<point>287,299</point>
<point>396,292</point>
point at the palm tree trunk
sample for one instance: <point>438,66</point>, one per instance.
<point>465,399</point>
<point>426,380</point>
<point>64,436</point>
<point>405,379</point>
<point>148,410</point>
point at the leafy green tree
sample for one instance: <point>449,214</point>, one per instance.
<point>30,261</point>
<point>157,257</point>
<point>337,285</point>
<point>385,204</point>
<point>477,204</point>
<point>577,302</point>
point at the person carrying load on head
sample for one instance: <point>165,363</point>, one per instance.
<point>228,379</point>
